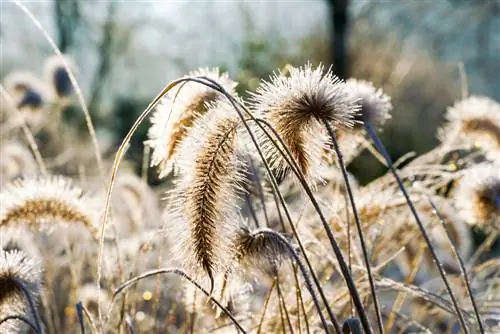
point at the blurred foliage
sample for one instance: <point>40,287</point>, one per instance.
<point>421,87</point>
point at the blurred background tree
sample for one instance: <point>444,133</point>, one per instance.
<point>127,51</point>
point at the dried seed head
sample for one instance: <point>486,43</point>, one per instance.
<point>258,251</point>
<point>203,208</point>
<point>474,121</point>
<point>57,76</point>
<point>375,105</point>
<point>17,161</point>
<point>17,268</point>
<point>177,113</point>
<point>296,105</point>
<point>41,202</point>
<point>29,96</point>
<point>478,196</point>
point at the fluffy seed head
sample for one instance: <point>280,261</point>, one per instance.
<point>478,196</point>
<point>41,202</point>
<point>474,121</point>
<point>255,250</point>
<point>177,113</point>
<point>57,76</point>
<point>375,105</point>
<point>296,105</point>
<point>203,211</point>
<point>29,96</point>
<point>17,268</point>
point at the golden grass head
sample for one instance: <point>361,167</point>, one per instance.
<point>375,105</point>
<point>17,268</point>
<point>42,202</point>
<point>176,114</point>
<point>56,75</point>
<point>203,209</point>
<point>17,161</point>
<point>296,105</point>
<point>475,122</point>
<point>478,196</point>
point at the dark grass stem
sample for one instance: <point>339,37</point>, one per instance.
<point>79,313</point>
<point>182,274</point>
<point>352,326</point>
<point>31,302</point>
<point>462,266</point>
<point>357,221</point>
<point>23,319</point>
<point>381,148</point>
<point>291,162</point>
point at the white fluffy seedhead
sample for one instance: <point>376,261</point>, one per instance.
<point>478,196</point>
<point>203,212</point>
<point>44,202</point>
<point>296,107</point>
<point>475,122</point>
<point>176,114</point>
<point>375,105</point>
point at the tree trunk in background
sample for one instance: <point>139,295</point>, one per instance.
<point>67,17</point>
<point>339,21</point>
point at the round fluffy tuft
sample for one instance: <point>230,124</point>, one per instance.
<point>296,107</point>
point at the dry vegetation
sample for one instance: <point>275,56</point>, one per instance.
<point>261,228</point>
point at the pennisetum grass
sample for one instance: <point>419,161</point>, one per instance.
<point>43,202</point>
<point>202,210</point>
<point>282,142</point>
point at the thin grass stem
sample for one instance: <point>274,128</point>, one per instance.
<point>182,274</point>
<point>358,225</point>
<point>381,148</point>
<point>462,266</point>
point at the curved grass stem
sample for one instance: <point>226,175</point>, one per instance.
<point>182,274</point>
<point>381,148</point>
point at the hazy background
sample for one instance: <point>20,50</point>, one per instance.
<point>126,51</point>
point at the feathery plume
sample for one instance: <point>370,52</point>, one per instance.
<point>16,161</point>
<point>17,270</point>
<point>57,76</point>
<point>176,114</point>
<point>41,202</point>
<point>478,196</point>
<point>203,209</point>
<point>474,121</point>
<point>296,105</point>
